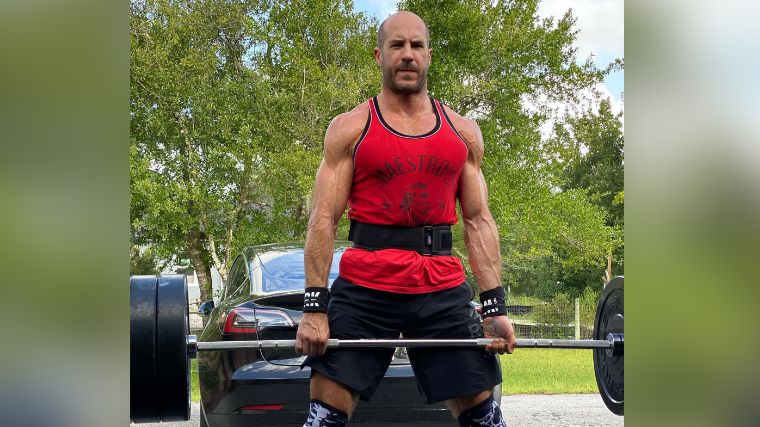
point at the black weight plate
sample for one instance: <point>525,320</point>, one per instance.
<point>172,364</point>
<point>609,369</point>
<point>143,404</point>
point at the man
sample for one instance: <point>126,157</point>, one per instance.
<point>400,161</point>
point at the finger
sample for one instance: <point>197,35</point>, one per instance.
<point>299,346</point>
<point>307,347</point>
<point>498,346</point>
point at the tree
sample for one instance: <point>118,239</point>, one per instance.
<point>594,160</point>
<point>228,103</point>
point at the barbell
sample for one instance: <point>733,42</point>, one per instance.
<point>161,347</point>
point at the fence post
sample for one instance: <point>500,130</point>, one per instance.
<point>577,318</point>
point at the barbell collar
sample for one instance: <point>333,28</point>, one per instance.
<point>617,340</point>
<point>192,346</point>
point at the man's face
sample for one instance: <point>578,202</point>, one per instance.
<point>404,56</point>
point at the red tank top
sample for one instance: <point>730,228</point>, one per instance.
<point>408,181</point>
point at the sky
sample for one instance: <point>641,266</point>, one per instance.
<point>600,23</point>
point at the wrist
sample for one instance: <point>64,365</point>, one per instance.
<point>493,302</point>
<point>316,299</point>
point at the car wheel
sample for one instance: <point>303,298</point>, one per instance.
<point>202,417</point>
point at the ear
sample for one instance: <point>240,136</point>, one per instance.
<point>377,57</point>
<point>430,54</point>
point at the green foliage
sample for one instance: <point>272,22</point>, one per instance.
<point>142,262</point>
<point>589,299</point>
<point>592,146</point>
<point>558,311</point>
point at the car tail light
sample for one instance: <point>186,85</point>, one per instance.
<point>248,320</point>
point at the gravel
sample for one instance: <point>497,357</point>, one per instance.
<point>557,410</point>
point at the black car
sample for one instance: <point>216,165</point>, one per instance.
<point>262,300</point>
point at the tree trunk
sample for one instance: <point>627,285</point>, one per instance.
<point>202,269</point>
<point>608,272</point>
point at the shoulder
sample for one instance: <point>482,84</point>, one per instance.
<point>346,128</point>
<point>467,129</point>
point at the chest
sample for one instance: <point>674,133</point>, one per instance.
<point>411,125</point>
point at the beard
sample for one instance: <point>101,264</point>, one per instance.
<point>405,87</point>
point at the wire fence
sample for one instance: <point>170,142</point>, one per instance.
<point>561,318</point>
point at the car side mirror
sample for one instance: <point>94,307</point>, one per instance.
<point>205,308</point>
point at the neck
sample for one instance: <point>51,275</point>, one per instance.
<point>410,104</point>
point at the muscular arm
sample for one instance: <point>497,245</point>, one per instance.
<point>480,234</point>
<point>331,192</point>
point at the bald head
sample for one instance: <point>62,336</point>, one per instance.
<point>401,19</point>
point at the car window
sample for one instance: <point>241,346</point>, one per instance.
<point>236,278</point>
<point>284,271</point>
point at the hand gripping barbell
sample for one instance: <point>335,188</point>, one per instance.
<point>161,347</point>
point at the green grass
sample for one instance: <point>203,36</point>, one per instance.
<point>195,391</point>
<point>548,371</point>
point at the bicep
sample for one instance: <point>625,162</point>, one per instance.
<point>333,181</point>
<point>473,192</point>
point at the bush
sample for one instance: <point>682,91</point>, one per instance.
<point>588,301</point>
<point>559,313</point>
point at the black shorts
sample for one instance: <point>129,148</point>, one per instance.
<point>356,312</point>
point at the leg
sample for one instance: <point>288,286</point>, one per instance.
<point>458,405</point>
<point>333,393</point>
<point>479,410</point>
<point>341,376</point>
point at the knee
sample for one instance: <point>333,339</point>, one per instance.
<point>478,411</point>
<point>333,393</point>
<point>458,405</point>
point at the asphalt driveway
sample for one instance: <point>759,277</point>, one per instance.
<point>561,410</point>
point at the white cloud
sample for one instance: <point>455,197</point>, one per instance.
<point>601,24</point>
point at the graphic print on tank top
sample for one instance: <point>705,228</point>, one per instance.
<point>407,181</point>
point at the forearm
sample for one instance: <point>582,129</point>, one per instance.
<point>318,251</point>
<point>482,240</point>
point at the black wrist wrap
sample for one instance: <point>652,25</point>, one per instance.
<point>493,301</point>
<point>315,299</point>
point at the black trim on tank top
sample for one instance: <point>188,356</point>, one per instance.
<point>364,132</point>
<point>448,120</point>
<point>395,132</point>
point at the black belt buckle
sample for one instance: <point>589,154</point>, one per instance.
<point>434,242</point>
<point>429,240</point>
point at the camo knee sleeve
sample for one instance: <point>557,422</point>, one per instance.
<point>324,415</point>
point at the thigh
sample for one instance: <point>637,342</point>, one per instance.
<point>446,373</point>
<point>358,313</point>
<point>446,314</point>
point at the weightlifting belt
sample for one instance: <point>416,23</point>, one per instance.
<point>427,240</point>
